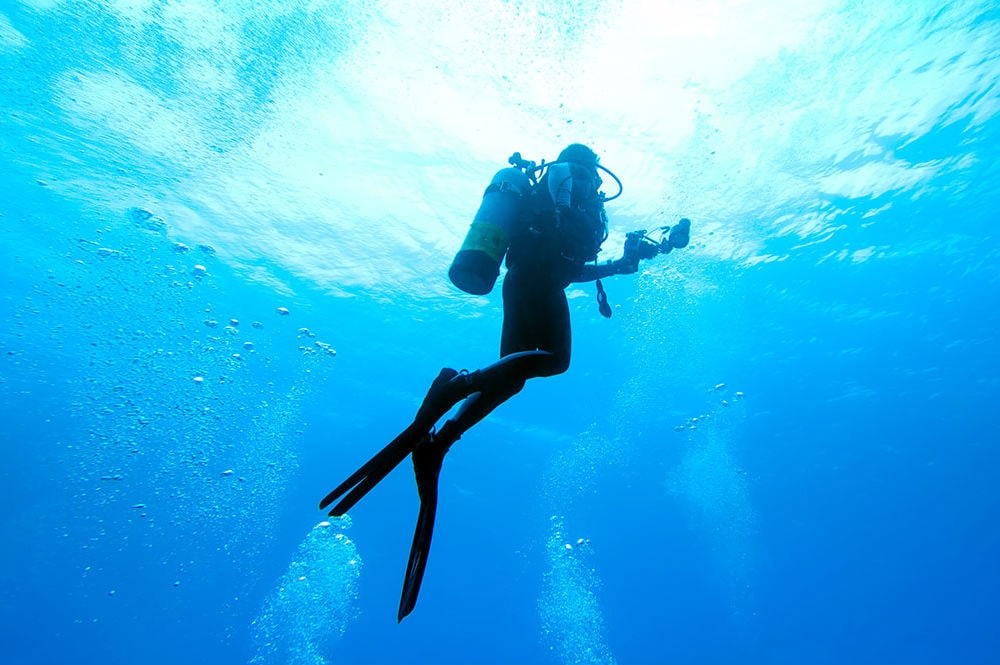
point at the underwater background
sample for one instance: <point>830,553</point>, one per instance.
<point>225,228</point>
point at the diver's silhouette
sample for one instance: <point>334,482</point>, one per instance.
<point>551,229</point>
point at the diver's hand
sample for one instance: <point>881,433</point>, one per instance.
<point>632,252</point>
<point>636,249</point>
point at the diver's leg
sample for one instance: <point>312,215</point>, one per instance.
<point>534,318</point>
<point>535,342</point>
<point>504,377</point>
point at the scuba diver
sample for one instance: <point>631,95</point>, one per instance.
<point>551,229</point>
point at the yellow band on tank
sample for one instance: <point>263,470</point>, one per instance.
<point>489,238</point>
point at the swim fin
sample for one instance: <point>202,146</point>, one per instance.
<point>427,459</point>
<point>419,550</point>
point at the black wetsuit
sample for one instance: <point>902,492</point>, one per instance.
<point>547,253</point>
<point>536,318</point>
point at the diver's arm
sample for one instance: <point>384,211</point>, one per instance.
<point>626,265</point>
<point>637,246</point>
<point>593,271</point>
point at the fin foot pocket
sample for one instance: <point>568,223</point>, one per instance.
<point>448,389</point>
<point>435,403</point>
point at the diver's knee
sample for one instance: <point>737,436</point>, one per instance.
<point>558,365</point>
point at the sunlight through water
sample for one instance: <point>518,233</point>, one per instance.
<point>225,232</point>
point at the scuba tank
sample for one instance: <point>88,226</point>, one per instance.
<point>477,264</point>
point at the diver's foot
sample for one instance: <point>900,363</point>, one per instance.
<point>433,406</point>
<point>428,456</point>
<point>447,390</point>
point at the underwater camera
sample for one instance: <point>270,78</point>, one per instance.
<point>640,245</point>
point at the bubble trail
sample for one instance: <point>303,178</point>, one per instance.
<point>314,601</point>
<point>572,623</point>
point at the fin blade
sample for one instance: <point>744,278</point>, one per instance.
<point>377,468</point>
<point>359,491</point>
<point>419,551</point>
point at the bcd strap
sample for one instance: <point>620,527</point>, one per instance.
<point>602,301</point>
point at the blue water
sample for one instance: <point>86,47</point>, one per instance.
<point>224,235</point>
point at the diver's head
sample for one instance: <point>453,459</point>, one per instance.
<point>578,154</point>
<point>583,164</point>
